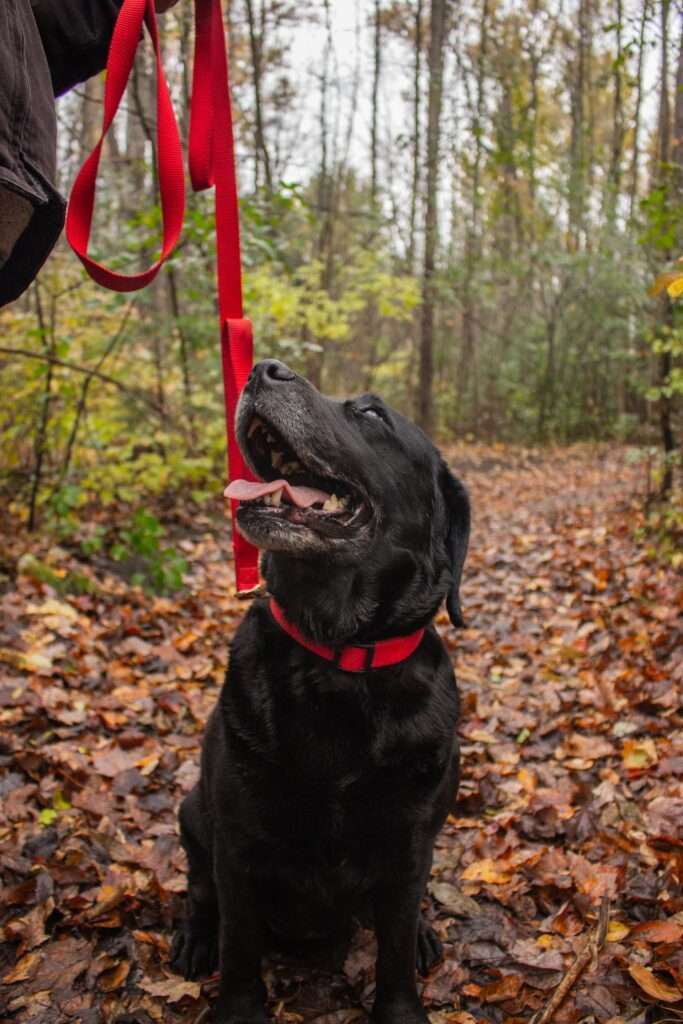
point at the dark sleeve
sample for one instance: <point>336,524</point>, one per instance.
<point>75,36</point>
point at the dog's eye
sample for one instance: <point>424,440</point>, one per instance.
<point>372,412</point>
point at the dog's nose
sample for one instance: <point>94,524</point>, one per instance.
<point>272,371</point>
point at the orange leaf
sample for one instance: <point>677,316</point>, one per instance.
<point>658,931</point>
<point>639,753</point>
<point>653,986</point>
<point>486,870</point>
<point>506,987</point>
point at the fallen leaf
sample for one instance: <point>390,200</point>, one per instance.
<point>171,989</point>
<point>616,931</point>
<point>658,931</point>
<point>455,901</point>
<point>487,870</point>
<point>639,753</point>
<point>507,987</point>
<point>23,969</point>
<point>113,979</point>
<point>653,986</point>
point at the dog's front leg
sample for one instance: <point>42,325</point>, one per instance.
<point>242,994</point>
<point>397,911</point>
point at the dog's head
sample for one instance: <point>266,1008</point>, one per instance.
<point>352,496</point>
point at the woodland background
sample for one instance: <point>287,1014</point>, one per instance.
<point>461,206</point>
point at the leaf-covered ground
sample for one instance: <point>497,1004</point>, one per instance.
<point>571,804</point>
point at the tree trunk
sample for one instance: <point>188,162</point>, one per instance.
<point>614,177</point>
<point>417,141</point>
<point>47,339</point>
<point>667,179</point>
<point>260,148</point>
<point>376,71</point>
<point>438,29</point>
<point>635,156</point>
<point>325,240</point>
<point>467,369</point>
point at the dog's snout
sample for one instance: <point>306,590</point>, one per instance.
<point>272,371</point>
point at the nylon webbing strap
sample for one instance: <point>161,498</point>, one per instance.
<point>212,162</point>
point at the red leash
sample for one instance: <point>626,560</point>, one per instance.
<point>212,163</point>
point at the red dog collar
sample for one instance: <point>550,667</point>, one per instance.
<point>353,659</point>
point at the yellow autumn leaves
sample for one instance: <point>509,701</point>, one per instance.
<point>670,281</point>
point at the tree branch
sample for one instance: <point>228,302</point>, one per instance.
<point>45,358</point>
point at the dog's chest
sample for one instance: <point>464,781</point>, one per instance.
<point>334,764</point>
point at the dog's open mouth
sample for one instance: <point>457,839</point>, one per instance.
<point>291,492</point>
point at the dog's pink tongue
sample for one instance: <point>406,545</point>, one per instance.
<point>250,490</point>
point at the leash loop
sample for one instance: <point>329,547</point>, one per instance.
<point>170,158</point>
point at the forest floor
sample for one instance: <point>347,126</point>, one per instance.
<point>561,863</point>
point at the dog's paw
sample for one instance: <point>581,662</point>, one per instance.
<point>400,1011</point>
<point>194,953</point>
<point>429,948</point>
<point>220,1019</point>
<point>248,1009</point>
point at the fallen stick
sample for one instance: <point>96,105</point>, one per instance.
<point>587,955</point>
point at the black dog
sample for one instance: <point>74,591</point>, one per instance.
<point>330,760</point>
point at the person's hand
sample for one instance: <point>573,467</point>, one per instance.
<point>163,5</point>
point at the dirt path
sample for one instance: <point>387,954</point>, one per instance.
<point>572,797</point>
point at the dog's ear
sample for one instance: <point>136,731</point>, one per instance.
<point>457,536</point>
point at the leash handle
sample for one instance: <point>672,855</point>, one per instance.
<point>169,153</point>
<point>212,162</point>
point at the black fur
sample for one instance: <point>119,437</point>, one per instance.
<point>321,792</point>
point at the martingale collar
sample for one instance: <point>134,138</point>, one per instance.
<point>353,659</point>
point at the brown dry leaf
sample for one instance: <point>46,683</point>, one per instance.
<point>111,761</point>
<point>56,614</point>
<point>588,748</point>
<point>24,969</point>
<point>30,928</point>
<point>651,984</point>
<point>594,880</point>
<point>113,979</point>
<point>159,942</point>
<point>108,898</point>
<point>454,900</point>
<point>171,989</point>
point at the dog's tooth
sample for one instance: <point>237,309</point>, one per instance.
<point>332,504</point>
<point>255,425</point>
<point>267,499</point>
<point>276,459</point>
<point>276,497</point>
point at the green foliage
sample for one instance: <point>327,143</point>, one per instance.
<point>160,569</point>
<point>70,583</point>
<point>667,340</point>
<point>662,220</point>
<point>664,531</point>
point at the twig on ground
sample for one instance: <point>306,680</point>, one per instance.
<point>587,955</point>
